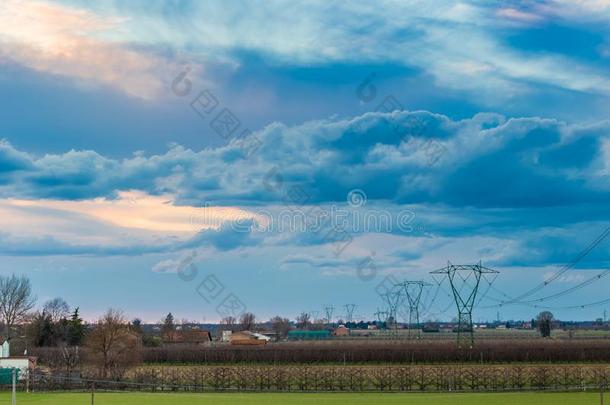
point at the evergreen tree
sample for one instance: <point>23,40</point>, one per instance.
<point>168,326</point>
<point>545,323</point>
<point>42,330</point>
<point>136,324</point>
<point>76,329</point>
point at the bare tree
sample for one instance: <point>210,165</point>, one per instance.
<point>281,327</point>
<point>57,309</point>
<point>247,321</point>
<point>317,324</point>
<point>228,320</point>
<point>70,358</point>
<point>303,320</point>
<point>113,344</point>
<point>16,299</point>
<point>228,323</point>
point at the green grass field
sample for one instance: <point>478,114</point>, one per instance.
<point>305,398</point>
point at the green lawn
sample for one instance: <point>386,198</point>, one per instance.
<point>305,398</point>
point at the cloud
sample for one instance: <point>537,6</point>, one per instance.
<point>12,160</point>
<point>456,44</point>
<point>519,15</point>
<point>402,157</point>
<point>485,175</point>
<point>72,42</point>
<point>444,40</point>
<point>132,224</point>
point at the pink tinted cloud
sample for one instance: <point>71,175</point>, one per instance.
<point>516,15</point>
<point>69,42</point>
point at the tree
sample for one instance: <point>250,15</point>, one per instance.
<point>544,320</point>
<point>303,320</point>
<point>228,320</point>
<point>169,327</point>
<point>41,330</point>
<point>16,300</point>
<point>57,309</point>
<point>227,323</point>
<point>247,321</point>
<point>137,326</point>
<point>65,332</point>
<point>281,327</point>
<point>113,345</point>
<point>76,329</point>
<point>317,324</point>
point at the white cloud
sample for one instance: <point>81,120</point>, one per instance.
<point>454,41</point>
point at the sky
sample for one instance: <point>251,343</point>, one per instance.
<point>207,158</point>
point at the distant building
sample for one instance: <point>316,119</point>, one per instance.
<point>430,327</point>
<point>341,330</point>
<point>187,337</point>
<point>248,338</point>
<point>226,336</point>
<point>23,363</point>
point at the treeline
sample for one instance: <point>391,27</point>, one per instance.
<point>533,350</point>
<point>411,352</point>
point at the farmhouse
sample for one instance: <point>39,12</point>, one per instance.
<point>341,331</point>
<point>23,363</point>
<point>248,338</point>
<point>187,337</point>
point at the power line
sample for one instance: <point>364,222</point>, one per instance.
<point>559,294</point>
<point>565,268</point>
<point>571,289</point>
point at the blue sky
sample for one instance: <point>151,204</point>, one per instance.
<point>141,139</point>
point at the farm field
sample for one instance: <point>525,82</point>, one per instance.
<point>300,398</point>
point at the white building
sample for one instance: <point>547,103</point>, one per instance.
<point>23,363</point>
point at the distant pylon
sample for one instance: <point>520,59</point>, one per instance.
<point>393,299</point>
<point>465,280</point>
<point>382,316</point>
<point>413,291</point>
<point>349,312</point>
<point>328,310</point>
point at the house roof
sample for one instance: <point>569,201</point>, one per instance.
<point>188,336</point>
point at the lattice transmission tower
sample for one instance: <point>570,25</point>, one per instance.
<point>349,312</point>
<point>465,280</point>
<point>382,316</point>
<point>328,311</point>
<point>393,299</point>
<point>413,291</point>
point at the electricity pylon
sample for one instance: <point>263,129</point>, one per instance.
<point>393,299</point>
<point>413,292</point>
<point>328,310</point>
<point>349,312</point>
<point>465,280</point>
<point>382,316</point>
